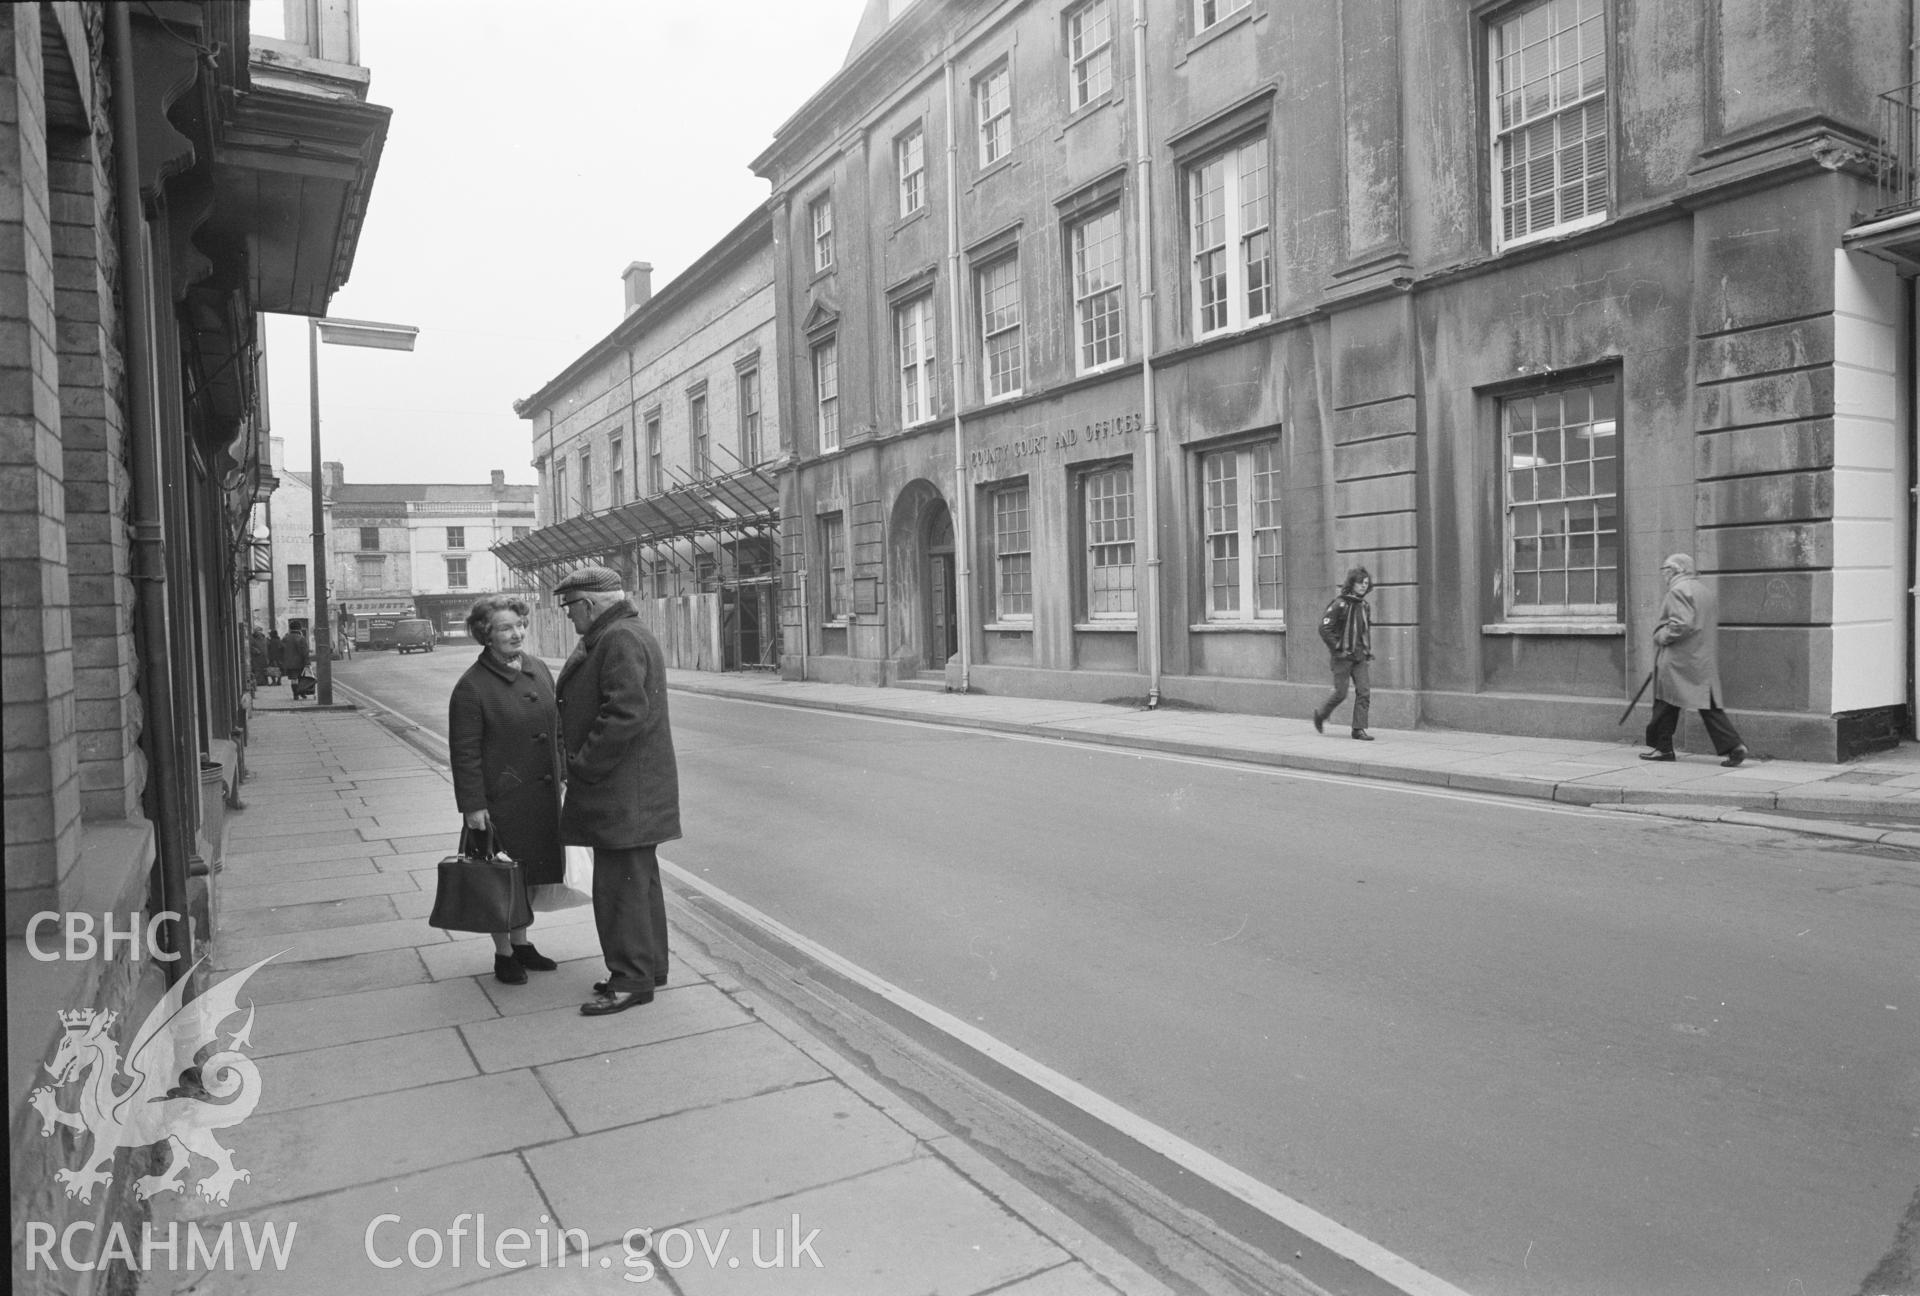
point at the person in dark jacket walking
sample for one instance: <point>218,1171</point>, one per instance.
<point>257,656</point>
<point>275,652</point>
<point>1686,671</point>
<point>1347,629</point>
<point>294,661</point>
<point>503,736</point>
<point>623,785</point>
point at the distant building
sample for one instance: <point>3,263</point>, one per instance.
<point>1112,332</point>
<point>657,449</point>
<point>397,549</point>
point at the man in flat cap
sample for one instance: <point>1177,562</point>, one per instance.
<point>623,787</point>
<point>1686,669</point>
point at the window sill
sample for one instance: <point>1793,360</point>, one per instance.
<point>1109,367</point>
<point>1107,627</point>
<point>987,170</point>
<point>1239,18</point>
<point>1077,115</point>
<point>917,214</point>
<point>1275,626</point>
<point>1593,629</point>
<point>1009,627</point>
<point>823,272</point>
<point>1550,235</point>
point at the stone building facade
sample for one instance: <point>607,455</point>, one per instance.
<point>155,158</point>
<point>656,451</point>
<point>1113,332</point>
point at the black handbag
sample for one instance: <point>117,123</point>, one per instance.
<point>480,890</point>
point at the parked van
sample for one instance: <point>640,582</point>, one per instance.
<point>413,635</point>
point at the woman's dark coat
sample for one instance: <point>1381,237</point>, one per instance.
<point>294,656</point>
<point>623,785</point>
<point>503,732</point>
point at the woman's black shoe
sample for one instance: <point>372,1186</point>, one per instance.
<point>532,959</point>
<point>507,968</point>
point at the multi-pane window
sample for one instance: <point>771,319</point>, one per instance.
<point>296,580</point>
<point>617,470</point>
<point>910,160</point>
<point>826,394</point>
<point>656,467</point>
<point>586,481</point>
<point>1549,67</point>
<point>1560,453</point>
<point>913,345</point>
<point>1012,554</point>
<point>1000,327</point>
<point>1098,313</point>
<point>1232,238</point>
<point>993,111</point>
<point>697,433</point>
<point>456,573</point>
<point>562,497</point>
<point>456,537</point>
<point>1242,536</point>
<point>1107,497</point>
<point>750,417</point>
<point>820,216</point>
<point>373,573</point>
<point>1208,12</point>
<point>1089,52</point>
<point>370,537</point>
<point>833,558</point>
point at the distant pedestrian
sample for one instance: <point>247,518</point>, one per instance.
<point>1686,665</point>
<point>274,656</point>
<point>623,785</point>
<point>1346,628</point>
<point>503,732</point>
<point>296,662</point>
<point>257,656</point>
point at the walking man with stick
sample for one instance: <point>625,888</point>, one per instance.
<point>1686,672</point>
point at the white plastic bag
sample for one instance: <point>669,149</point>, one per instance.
<point>574,888</point>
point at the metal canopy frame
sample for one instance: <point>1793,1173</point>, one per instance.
<point>736,506</point>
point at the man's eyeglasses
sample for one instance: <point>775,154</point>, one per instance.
<point>568,603</point>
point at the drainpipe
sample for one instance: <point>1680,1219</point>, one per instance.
<point>164,771</point>
<point>962,504</point>
<point>1150,435</point>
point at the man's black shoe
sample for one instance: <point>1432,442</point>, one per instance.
<point>606,987</point>
<point>607,1004</point>
<point>506,968</point>
<point>1361,735</point>
<point>1657,755</point>
<point>1319,723</point>
<point>532,959</point>
<point>1737,756</point>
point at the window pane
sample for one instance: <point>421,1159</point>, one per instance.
<point>1097,252</point>
<point>1562,510</point>
<point>1109,514</point>
<point>1550,104</point>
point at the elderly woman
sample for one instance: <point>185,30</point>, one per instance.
<point>504,731</point>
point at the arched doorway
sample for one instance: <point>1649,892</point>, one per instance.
<point>941,609</point>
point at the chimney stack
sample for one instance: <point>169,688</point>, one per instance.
<point>332,474</point>
<point>499,479</point>
<point>639,279</point>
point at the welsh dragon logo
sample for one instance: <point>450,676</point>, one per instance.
<point>176,1095</point>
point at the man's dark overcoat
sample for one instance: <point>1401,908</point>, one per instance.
<point>504,734</point>
<point>623,785</point>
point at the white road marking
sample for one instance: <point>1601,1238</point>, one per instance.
<point>1303,1219</point>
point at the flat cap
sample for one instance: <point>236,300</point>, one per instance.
<point>590,580</point>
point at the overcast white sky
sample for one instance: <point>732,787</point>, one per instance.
<point>534,151</point>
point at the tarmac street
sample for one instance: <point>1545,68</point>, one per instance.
<point>1525,1046</point>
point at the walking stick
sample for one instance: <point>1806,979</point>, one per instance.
<point>1639,692</point>
<point>1636,698</point>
